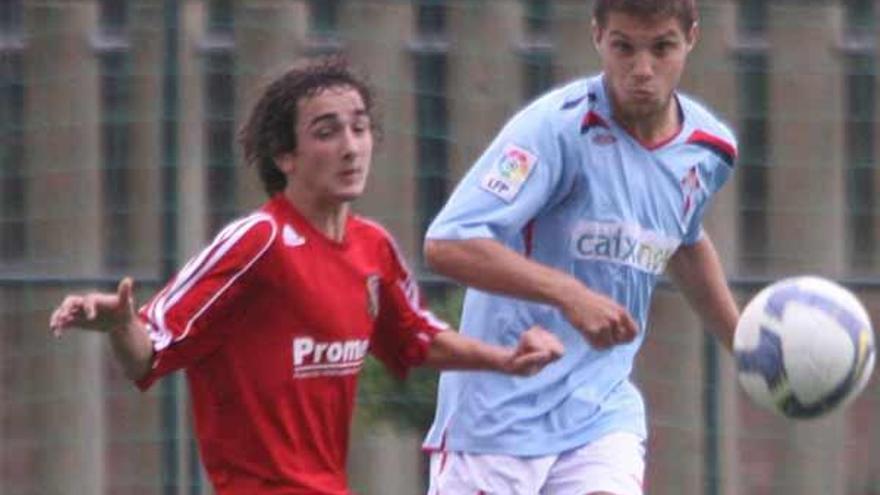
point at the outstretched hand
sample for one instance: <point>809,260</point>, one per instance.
<point>96,311</point>
<point>537,348</point>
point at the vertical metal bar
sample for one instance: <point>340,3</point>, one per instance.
<point>753,63</point>
<point>13,192</point>
<point>430,60</point>
<point>859,50</point>
<point>433,125</point>
<point>219,129</point>
<point>537,50</point>
<point>432,115</point>
<point>170,112</point>
<point>323,33</point>
<point>324,18</point>
<point>113,47</point>
<point>12,201</point>
<point>711,411</point>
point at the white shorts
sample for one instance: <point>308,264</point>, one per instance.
<point>614,464</point>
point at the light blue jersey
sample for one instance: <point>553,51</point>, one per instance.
<point>566,186</point>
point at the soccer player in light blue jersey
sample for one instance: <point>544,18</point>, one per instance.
<point>568,219</point>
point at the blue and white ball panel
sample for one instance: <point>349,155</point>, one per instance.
<point>804,346</point>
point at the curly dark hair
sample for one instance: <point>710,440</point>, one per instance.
<point>683,10</point>
<point>270,129</point>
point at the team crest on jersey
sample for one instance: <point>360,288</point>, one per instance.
<point>373,296</point>
<point>604,139</point>
<point>509,173</point>
<point>690,187</point>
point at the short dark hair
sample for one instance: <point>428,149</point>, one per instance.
<point>683,10</point>
<point>270,129</point>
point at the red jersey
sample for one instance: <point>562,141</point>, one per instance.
<point>272,322</point>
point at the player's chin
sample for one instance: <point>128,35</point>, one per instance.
<point>349,193</point>
<point>643,108</point>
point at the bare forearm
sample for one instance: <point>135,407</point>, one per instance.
<point>132,349</point>
<point>451,350</point>
<point>487,265</point>
<point>698,272</point>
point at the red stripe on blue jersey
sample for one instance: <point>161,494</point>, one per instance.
<point>721,147</point>
<point>529,238</point>
<point>592,119</point>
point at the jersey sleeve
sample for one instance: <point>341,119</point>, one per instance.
<point>190,316</point>
<point>404,329</point>
<point>719,170</point>
<point>514,179</point>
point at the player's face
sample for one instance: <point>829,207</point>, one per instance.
<point>643,60</point>
<point>334,146</point>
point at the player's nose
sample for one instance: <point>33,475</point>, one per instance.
<point>643,65</point>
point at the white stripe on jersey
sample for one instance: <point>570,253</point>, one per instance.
<point>196,268</point>
<point>184,278</point>
<point>221,245</point>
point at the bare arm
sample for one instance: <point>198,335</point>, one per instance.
<point>114,315</point>
<point>452,350</point>
<point>490,266</point>
<point>697,271</point>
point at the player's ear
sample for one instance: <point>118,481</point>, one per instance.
<point>597,33</point>
<point>692,35</point>
<point>285,162</point>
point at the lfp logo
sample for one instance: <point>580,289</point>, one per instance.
<point>515,165</point>
<point>509,173</point>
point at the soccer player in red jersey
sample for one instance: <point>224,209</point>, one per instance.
<point>273,320</point>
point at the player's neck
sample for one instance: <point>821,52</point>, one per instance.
<point>651,129</point>
<point>327,217</point>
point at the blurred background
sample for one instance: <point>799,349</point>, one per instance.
<point>118,156</point>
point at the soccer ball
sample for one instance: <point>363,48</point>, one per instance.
<point>804,346</point>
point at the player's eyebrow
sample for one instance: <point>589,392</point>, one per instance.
<point>333,116</point>
<point>660,37</point>
<point>668,34</point>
